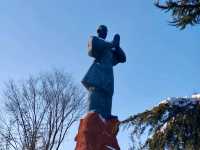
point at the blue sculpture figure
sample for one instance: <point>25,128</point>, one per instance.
<point>99,80</point>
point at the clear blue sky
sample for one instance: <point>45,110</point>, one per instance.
<point>162,61</point>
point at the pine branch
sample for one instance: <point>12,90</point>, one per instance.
<point>183,12</point>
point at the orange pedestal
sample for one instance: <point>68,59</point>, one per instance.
<point>95,133</point>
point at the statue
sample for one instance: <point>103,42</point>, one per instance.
<point>95,133</point>
<point>99,80</point>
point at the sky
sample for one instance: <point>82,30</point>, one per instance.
<point>41,35</point>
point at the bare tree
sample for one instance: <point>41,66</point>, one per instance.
<point>40,112</point>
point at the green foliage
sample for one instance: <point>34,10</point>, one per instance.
<point>168,126</point>
<point>183,12</point>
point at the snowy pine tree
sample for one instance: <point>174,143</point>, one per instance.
<point>172,125</point>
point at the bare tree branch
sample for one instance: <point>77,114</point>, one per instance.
<point>42,109</point>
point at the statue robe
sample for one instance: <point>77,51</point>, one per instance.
<point>99,80</point>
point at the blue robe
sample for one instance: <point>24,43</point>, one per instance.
<point>99,80</point>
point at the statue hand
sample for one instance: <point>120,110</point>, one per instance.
<point>116,41</point>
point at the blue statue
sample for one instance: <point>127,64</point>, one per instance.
<point>99,80</point>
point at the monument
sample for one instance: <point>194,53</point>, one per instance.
<point>98,130</point>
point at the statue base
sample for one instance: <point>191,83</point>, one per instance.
<point>96,133</point>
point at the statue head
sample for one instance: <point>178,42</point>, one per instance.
<point>102,31</point>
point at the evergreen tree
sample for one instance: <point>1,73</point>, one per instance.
<point>172,125</point>
<point>183,12</point>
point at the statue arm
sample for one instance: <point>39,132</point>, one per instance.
<point>118,56</point>
<point>96,46</point>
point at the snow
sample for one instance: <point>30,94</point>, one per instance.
<point>164,101</point>
<point>183,101</point>
<point>102,119</point>
<point>111,148</point>
<point>165,115</point>
<point>196,95</point>
<point>100,116</point>
<point>163,127</point>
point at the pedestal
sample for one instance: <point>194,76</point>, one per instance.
<point>96,133</point>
